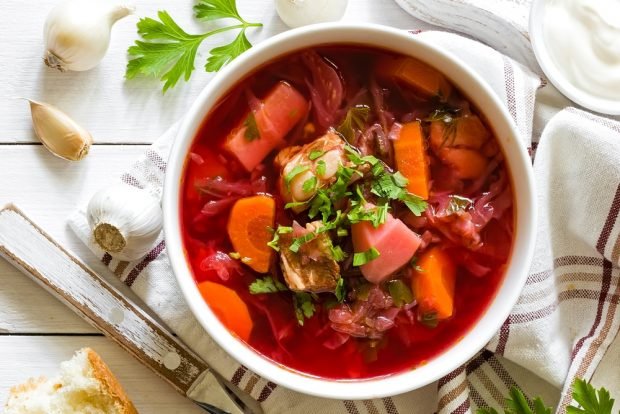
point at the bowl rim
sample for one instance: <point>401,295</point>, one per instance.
<point>525,214</point>
<point>554,74</point>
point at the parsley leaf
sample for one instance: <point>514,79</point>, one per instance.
<point>251,128</point>
<point>267,285</point>
<point>304,307</point>
<point>300,241</point>
<point>314,154</point>
<point>309,185</point>
<point>167,52</point>
<point>590,400</point>
<point>360,259</point>
<point>354,120</point>
<point>341,291</point>
<point>320,167</point>
<point>298,169</point>
<point>337,253</point>
<point>399,291</point>
<point>274,243</point>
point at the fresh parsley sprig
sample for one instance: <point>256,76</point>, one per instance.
<point>168,52</point>
<point>589,399</point>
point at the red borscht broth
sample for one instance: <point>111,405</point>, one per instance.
<point>346,212</point>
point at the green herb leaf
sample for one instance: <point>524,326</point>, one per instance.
<point>338,254</point>
<point>300,241</point>
<point>486,410</point>
<point>314,154</point>
<point>342,232</point>
<point>168,52</point>
<point>304,307</point>
<point>274,243</point>
<point>310,184</point>
<point>298,169</point>
<point>415,204</point>
<point>320,167</point>
<point>399,291</point>
<point>217,9</point>
<point>294,204</point>
<point>354,120</point>
<point>267,285</point>
<point>590,400</point>
<point>223,55</point>
<point>341,292</point>
<point>360,259</point>
<point>251,128</point>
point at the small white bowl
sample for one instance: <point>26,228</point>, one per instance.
<point>519,165</point>
<point>555,75</point>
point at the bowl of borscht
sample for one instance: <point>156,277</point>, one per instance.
<point>348,211</point>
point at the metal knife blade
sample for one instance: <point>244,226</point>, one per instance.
<point>35,253</point>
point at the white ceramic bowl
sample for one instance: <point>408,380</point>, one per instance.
<point>555,75</point>
<point>519,165</point>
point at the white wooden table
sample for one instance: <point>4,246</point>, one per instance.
<point>36,331</point>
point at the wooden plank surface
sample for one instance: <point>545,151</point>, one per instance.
<point>112,109</point>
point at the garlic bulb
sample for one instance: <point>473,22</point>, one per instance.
<point>58,132</point>
<point>77,33</point>
<point>125,221</point>
<point>297,13</point>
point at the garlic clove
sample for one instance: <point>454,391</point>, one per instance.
<point>77,33</point>
<point>296,13</point>
<point>59,133</point>
<point>125,221</point>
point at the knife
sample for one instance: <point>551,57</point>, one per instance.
<point>35,253</point>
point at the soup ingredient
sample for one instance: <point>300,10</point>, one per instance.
<point>310,267</point>
<point>230,309</point>
<point>58,132</point>
<point>267,285</point>
<point>308,168</point>
<point>169,53</point>
<point>582,38</point>
<point>125,221</point>
<point>296,13</point>
<point>394,241</point>
<point>248,229</point>
<point>77,33</point>
<point>433,285</point>
<point>410,156</point>
<point>419,76</point>
<point>266,125</point>
<point>326,90</point>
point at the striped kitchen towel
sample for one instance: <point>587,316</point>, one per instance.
<point>566,316</point>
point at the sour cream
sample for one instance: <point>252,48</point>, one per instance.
<point>582,38</point>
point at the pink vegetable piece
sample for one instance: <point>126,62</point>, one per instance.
<point>395,242</point>
<point>276,115</point>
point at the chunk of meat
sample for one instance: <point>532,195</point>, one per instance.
<point>395,242</point>
<point>319,160</point>
<point>312,268</point>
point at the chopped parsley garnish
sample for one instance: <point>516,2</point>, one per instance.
<point>354,121</point>
<point>399,291</point>
<point>314,154</point>
<point>341,291</point>
<point>294,204</point>
<point>276,237</point>
<point>251,128</point>
<point>320,167</point>
<point>300,241</point>
<point>360,259</point>
<point>310,184</point>
<point>298,169</point>
<point>337,253</point>
<point>342,232</point>
<point>304,307</point>
<point>267,285</point>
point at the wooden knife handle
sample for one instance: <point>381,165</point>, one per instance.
<point>33,251</point>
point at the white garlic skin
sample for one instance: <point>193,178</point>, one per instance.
<point>132,214</point>
<point>296,13</point>
<point>77,33</point>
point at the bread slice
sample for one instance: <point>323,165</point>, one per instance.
<point>85,386</point>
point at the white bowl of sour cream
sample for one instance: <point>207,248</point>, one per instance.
<point>577,44</point>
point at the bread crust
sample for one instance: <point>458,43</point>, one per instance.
<point>110,384</point>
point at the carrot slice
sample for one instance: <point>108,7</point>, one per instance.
<point>410,155</point>
<point>248,230</point>
<point>421,77</point>
<point>433,285</point>
<point>265,128</point>
<point>228,307</point>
